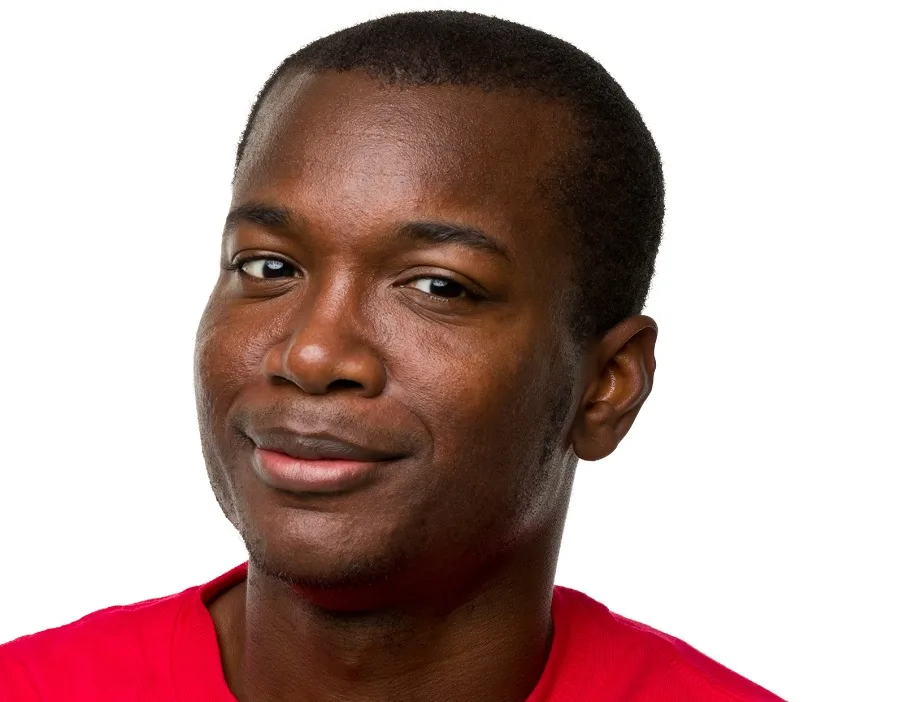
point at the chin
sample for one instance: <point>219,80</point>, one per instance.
<point>326,561</point>
<point>340,583</point>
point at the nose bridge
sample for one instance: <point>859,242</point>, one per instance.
<point>329,340</point>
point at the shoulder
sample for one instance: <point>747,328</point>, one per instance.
<point>659,666</point>
<point>121,644</point>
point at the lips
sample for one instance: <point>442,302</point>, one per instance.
<point>316,446</point>
<point>314,463</point>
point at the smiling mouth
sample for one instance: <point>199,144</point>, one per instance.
<point>312,475</point>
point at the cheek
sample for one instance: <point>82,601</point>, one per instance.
<point>482,487</point>
<point>480,403</point>
<point>227,354</point>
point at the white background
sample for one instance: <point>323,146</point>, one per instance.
<point>752,511</point>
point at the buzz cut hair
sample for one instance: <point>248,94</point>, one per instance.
<point>608,190</point>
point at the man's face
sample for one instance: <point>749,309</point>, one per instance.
<point>356,332</point>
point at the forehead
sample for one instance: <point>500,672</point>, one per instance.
<point>384,150</point>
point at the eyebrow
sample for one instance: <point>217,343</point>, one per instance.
<point>263,215</point>
<point>425,231</point>
<point>436,232</point>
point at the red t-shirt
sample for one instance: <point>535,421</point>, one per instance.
<point>166,649</point>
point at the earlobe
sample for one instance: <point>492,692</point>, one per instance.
<point>619,373</point>
<point>595,433</point>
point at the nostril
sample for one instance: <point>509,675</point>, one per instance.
<point>344,383</point>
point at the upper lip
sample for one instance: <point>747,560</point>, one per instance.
<point>311,446</point>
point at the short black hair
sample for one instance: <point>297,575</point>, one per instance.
<point>609,191</point>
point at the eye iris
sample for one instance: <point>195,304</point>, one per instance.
<point>439,286</point>
<point>272,267</point>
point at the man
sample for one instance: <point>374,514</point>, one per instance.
<point>442,233</point>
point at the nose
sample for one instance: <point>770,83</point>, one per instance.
<point>328,347</point>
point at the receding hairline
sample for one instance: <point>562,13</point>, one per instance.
<point>283,91</point>
<point>546,167</point>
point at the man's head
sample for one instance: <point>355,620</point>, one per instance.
<point>605,181</point>
<point>439,223</point>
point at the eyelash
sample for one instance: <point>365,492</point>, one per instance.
<point>470,295</point>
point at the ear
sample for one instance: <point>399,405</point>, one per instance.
<point>618,370</point>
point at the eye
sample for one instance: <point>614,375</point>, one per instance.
<point>268,268</point>
<point>441,287</point>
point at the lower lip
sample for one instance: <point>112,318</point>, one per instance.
<point>278,470</point>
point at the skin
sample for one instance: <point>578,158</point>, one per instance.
<point>434,580</point>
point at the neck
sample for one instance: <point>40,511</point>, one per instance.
<point>489,644</point>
